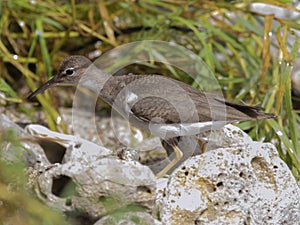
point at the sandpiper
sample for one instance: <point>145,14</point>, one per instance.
<point>161,105</point>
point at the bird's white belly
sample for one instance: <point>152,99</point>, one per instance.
<point>166,131</point>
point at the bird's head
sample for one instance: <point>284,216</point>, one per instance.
<point>70,71</point>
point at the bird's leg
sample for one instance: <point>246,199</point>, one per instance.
<point>202,144</point>
<point>178,156</point>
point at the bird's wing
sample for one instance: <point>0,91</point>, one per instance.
<point>160,110</point>
<point>218,109</point>
<point>160,99</point>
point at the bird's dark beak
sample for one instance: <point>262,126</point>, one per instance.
<point>44,87</point>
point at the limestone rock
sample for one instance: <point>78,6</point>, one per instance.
<point>245,182</point>
<point>238,181</point>
<point>101,180</point>
<point>131,218</point>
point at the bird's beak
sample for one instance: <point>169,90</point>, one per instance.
<point>45,86</point>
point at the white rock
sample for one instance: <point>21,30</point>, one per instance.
<point>97,174</point>
<point>243,183</point>
<point>131,218</point>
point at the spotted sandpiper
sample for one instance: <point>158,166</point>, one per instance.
<point>161,105</point>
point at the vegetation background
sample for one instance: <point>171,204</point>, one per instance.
<point>251,53</point>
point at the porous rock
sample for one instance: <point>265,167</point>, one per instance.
<point>100,179</point>
<point>245,182</point>
<point>131,218</point>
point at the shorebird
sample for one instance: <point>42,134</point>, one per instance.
<point>165,107</point>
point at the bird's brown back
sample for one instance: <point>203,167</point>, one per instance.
<point>162,99</point>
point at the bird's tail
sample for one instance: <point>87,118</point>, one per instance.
<point>254,112</point>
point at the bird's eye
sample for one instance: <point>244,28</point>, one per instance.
<point>70,71</point>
